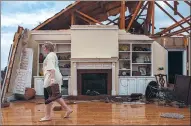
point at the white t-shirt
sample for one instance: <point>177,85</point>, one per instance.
<point>51,63</point>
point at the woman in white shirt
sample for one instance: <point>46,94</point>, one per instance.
<point>52,82</point>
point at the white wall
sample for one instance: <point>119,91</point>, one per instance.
<point>94,42</point>
<point>160,58</point>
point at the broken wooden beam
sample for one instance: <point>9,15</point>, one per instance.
<point>90,18</point>
<point>174,25</point>
<point>134,14</point>
<point>176,12</point>
<point>168,14</point>
<point>144,7</point>
<point>178,31</point>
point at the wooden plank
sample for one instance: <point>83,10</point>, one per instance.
<point>176,12</point>
<point>134,14</point>
<point>153,17</point>
<point>55,16</point>
<point>122,15</point>
<point>168,14</point>
<point>174,25</point>
<point>178,31</point>
<point>90,18</point>
<point>84,19</point>
<point>175,7</point>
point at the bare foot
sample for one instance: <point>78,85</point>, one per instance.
<point>68,113</point>
<point>45,119</point>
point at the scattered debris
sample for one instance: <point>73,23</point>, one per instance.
<point>172,115</point>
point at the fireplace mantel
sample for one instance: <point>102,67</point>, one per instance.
<point>111,59</point>
<point>93,63</point>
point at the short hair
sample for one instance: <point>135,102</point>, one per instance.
<point>49,46</point>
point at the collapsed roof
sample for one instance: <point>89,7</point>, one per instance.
<point>97,12</point>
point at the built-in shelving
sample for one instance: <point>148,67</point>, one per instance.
<point>135,59</point>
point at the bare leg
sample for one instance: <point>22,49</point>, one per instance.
<point>65,106</point>
<point>48,109</point>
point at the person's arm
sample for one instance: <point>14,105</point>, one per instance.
<point>51,68</point>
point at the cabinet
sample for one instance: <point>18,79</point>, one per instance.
<point>38,85</point>
<point>129,85</point>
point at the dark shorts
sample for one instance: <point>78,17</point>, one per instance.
<point>46,94</point>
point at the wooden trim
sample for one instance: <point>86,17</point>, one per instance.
<point>142,10</point>
<point>168,14</point>
<point>176,12</point>
<point>81,71</point>
<point>55,16</point>
<point>134,14</point>
<point>122,15</point>
<point>178,31</point>
<point>174,25</point>
<point>90,18</point>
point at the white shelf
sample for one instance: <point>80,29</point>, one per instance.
<point>142,51</point>
<point>124,69</point>
<point>124,51</point>
<point>140,63</point>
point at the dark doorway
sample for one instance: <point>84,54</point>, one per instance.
<point>175,64</point>
<point>94,82</point>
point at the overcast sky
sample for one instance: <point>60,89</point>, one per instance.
<point>28,14</point>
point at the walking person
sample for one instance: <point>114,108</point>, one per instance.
<point>52,82</point>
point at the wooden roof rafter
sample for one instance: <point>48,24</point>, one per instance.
<point>134,14</point>
<point>169,15</point>
<point>176,12</point>
<point>90,18</point>
<point>178,31</point>
<point>174,25</point>
<point>144,7</point>
<point>187,3</point>
<point>56,15</point>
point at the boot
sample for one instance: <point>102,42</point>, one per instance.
<point>54,93</point>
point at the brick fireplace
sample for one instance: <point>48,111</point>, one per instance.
<point>99,80</point>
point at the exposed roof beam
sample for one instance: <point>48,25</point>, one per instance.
<point>174,25</point>
<point>176,12</point>
<point>176,7</point>
<point>84,19</point>
<point>179,31</point>
<point>168,14</point>
<point>122,15</point>
<point>90,18</point>
<point>188,3</point>
<point>55,16</point>
<point>111,21</point>
<point>142,10</point>
<point>134,14</point>
<point>153,17</point>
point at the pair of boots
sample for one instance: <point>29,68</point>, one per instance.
<point>54,93</point>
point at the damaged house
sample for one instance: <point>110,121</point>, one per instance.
<point>118,58</point>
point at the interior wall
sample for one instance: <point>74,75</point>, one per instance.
<point>160,58</point>
<point>94,43</point>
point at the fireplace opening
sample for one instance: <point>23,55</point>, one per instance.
<point>94,82</point>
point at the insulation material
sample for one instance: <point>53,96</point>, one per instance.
<point>24,73</point>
